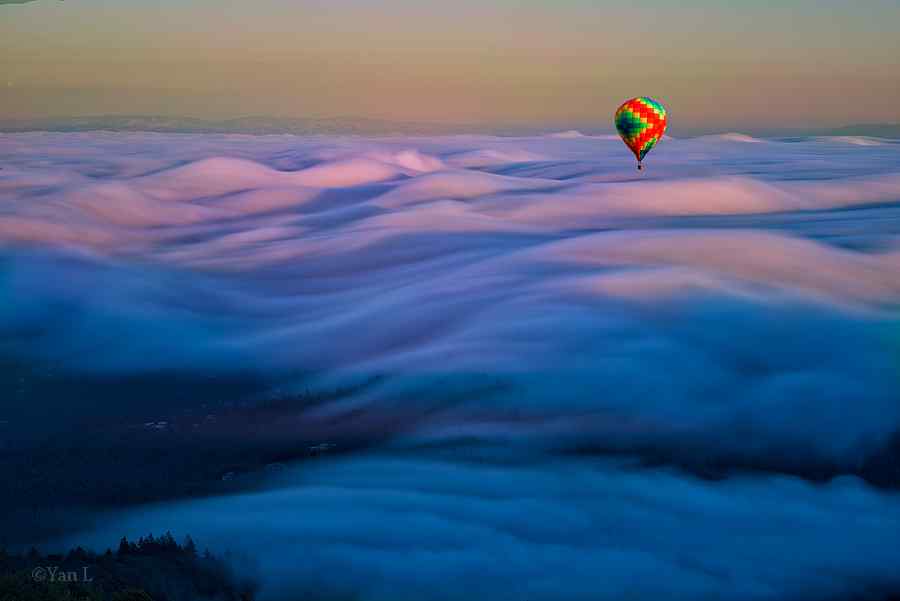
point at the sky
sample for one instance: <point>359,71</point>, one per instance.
<point>716,65</point>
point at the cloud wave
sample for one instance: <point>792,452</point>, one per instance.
<point>520,309</point>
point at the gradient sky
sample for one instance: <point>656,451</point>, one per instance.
<point>715,64</point>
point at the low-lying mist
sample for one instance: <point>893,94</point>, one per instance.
<point>580,381</point>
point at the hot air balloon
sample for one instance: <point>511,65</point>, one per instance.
<point>641,122</point>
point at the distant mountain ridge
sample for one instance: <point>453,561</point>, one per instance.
<point>358,126</point>
<point>874,130</point>
<point>240,125</point>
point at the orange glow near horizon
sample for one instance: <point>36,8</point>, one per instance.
<point>716,65</point>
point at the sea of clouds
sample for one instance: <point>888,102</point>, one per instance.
<point>557,333</point>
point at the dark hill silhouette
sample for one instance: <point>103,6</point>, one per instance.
<point>150,569</point>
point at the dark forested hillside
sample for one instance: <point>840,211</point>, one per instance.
<point>153,568</point>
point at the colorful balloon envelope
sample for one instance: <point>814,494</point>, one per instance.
<point>641,122</point>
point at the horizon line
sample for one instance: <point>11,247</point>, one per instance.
<point>352,125</point>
